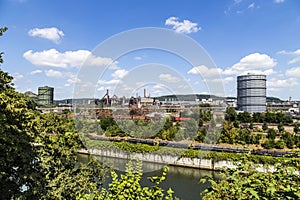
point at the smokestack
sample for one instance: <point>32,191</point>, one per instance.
<point>145,93</point>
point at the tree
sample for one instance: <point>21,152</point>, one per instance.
<point>258,117</point>
<point>231,114</point>
<point>251,126</point>
<point>264,126</point>
<point>38,152</point>
<point>244,117</point>
<point>107,122</point>
<point>282,183</point>
<point>190,128</point>
<point>201,134</point>
<point>288,139</point>
<point>127,186</point>
<point>18,160</point>
<point>271,134</point>
<point>236,124</point>
<point>268,144</point>
<point>228,134</point>
<point>296,128</point>
<point>280,127</point>
<point>280,144</point>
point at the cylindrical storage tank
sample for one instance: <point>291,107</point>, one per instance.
<point>251,93</point>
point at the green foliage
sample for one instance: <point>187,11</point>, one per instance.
<point>280,127</point>
<point>258,117</point>
<point>190,128</point>
<point>169,134</point>
<point>280,144</point>
<point>289,139</point>
<point>201,134</point>
<point>268,144</point>
<point>231,114</point>
<point>107,122</point>
<point>2,30</point>
<point>236,124</point>
<point>228,134</point>
<point>251,126</point>
<point>48,170</point>
<point>271,134</point>
<point>244,117</point>
<point>127,186</point>
<point>38,152</point>
<point>265,126</point>
<point>18,160</point>
<point>114,131</point>
<point>245,182</point>
<point>205,115</point>
<point>296,128</point>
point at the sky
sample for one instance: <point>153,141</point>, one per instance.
<point>55,42</point>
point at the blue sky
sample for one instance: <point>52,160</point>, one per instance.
<point>48,41</point>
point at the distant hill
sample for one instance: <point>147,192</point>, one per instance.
<point>274,99</point>
<point>187,97</point>
<point>191,97</point>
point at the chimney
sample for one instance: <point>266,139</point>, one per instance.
<point>145,93</point>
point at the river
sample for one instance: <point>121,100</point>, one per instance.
<point>183,180</point>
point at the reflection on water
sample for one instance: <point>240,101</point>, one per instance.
<point>183,180</point>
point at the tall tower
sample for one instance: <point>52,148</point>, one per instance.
<point>251,93</point>
<point>45,95</point>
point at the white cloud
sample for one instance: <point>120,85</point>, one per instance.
<point>253,63</point>
<point>59,74</point>
<point>293,53</point>
<point>38,71</point>
<point>281,83</point>
<point>110,82</point>
<point>54,58</point>
<point>220,80</point>
<point>101,88</point>
<point>251,6</point>
<point>137,58</point>
<point>74,80</point>
<point>184,86</point>
<point>53,33</point>
<point>205,71</point>
<point>159,86</point>
<point>17,76</point>
<point>185,26</point>
<point>168,78</point>
<point>278,1</point>
<point>294,72</point>
<point>119,74</point>
<point>54,73</point>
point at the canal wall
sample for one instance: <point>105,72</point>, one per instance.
<point>200,163</point>
<point>162,159</point>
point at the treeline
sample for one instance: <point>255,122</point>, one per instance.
<point>267,117</point>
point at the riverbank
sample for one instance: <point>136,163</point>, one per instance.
<point>174,160</point>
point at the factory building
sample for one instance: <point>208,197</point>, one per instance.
<point>251,93</point>
<point>45,95</point>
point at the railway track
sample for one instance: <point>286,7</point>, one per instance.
<point>197,146</point>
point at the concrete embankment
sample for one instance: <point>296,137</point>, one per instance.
<point>162,159</point>
<point>200,163</point>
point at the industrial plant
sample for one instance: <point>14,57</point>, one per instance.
<point>251,97</point>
